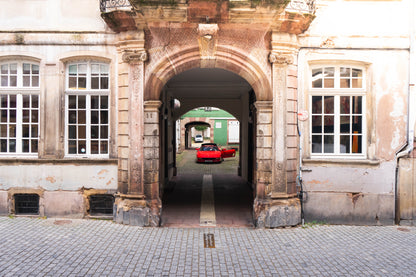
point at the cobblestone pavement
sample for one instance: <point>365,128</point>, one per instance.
<point>63,247</point>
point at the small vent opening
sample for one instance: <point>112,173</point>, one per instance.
<point>26,203</point>
<point>101,204</point>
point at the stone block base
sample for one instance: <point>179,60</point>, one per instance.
<point>278,213</point>
<point>135,213</point>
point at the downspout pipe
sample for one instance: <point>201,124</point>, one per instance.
<point>411,103</point>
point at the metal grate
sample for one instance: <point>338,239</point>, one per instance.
<point>26,203</point>
<point>101,204</point>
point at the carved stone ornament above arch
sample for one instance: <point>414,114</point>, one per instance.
<point>130,56</point>
<point>281,58</point>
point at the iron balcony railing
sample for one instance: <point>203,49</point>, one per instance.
<point>111,5</point>
<point>304,6</point>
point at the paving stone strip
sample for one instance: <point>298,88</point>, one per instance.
<point>68,247</point>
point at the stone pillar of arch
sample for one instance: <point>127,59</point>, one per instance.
<point>281,206</point>
<point>132,200</point>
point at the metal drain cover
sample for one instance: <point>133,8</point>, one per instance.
<point>209,241</point>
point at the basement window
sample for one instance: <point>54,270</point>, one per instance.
<point>101,204</point>
<point>26,204</point>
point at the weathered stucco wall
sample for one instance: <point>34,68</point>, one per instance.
<point>358,191</point>
<point>51,15</point>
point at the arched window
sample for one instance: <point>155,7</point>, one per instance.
<point>337,107</point>
<point>87,109</point>
<point>19,108</point>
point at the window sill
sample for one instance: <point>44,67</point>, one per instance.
<point>340,161</point>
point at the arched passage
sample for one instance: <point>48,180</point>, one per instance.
<point>209,87</point>
<point>185,130</point>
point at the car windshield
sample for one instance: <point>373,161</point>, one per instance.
<point>209,148</point>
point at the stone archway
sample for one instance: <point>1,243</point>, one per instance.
<point>274,185</point>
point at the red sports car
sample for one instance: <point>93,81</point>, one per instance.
<point>210,153</point>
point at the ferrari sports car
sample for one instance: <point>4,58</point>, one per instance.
<point>210,153</point>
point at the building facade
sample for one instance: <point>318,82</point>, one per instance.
<point>323,92</point>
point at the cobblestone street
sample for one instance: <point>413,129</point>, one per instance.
<point>62,247</point>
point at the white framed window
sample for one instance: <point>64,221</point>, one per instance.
<point>337,107</point>
<point>87,109</point>
<point>19,108</point>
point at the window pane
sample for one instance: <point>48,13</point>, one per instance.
<point>104,117</point>
<point>81,117</point>
<point>104,68</point>
<point>95,69</point>
<point>13,81</point>
<point>94,147</point>
<point>72,147</point>
<point>345,124</point>
<point>95,83</point>
<point>72,83</point>
<point>13,68</point>
<point>12,130</point>
<point>12,115</point>
<point>316,104</point>
<point>344,105</point>
<point>34,131</point>
<point>328,144</point>
<point>26,68</point>
<point>73,69</point>
<point>356,144</point>
<point>26,81</point>
<point>95,102</point>
<point>344,146</point>
<point>12,145</point>
<point>94,132</point>
<point>25,131</point>
<point>3,101</point>
<point>12,103</point>
<point>35,81</point>
<point>316,124</point>
<point>3,146</point>
<point>104,147</point>
<point>82,69</point>
<point>329,72</point>
<point>72,132</point>
<point>25,146</point>
<point>317,78</point>
<point>357,73</point>
<point>82,82</point>
<point>72,117</point>
<point>94,117</point>
<point>345,72</point>
<point>104,82</point>
<point>35,69</point>
<point>328,124</point>
<point>81,132</point>
<point>81,102</point>
<point>34,145</point>
<point>317,144</point>
<point>104,132</point>
<point>357,83</point>
<point>328,83</point>
<point>329,105</point>
<point>35,101</point>
<point>104,102</point>
<point>72,101</point>
<point>3,130</point>
<point>356,124</point>
<point>4,69</point>
<point>4,81</point>
<point>35,117</point>
<point>345,83</point>
<point>82,147</point>
<point>4,116</point>
<point>26,101</point>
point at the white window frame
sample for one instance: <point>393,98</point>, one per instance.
<point>337,91</point>
<point>20,91</point>
<point>88,92</point>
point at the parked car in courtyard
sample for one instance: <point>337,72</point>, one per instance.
<point>199,138</point>
<point>210,153</point>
